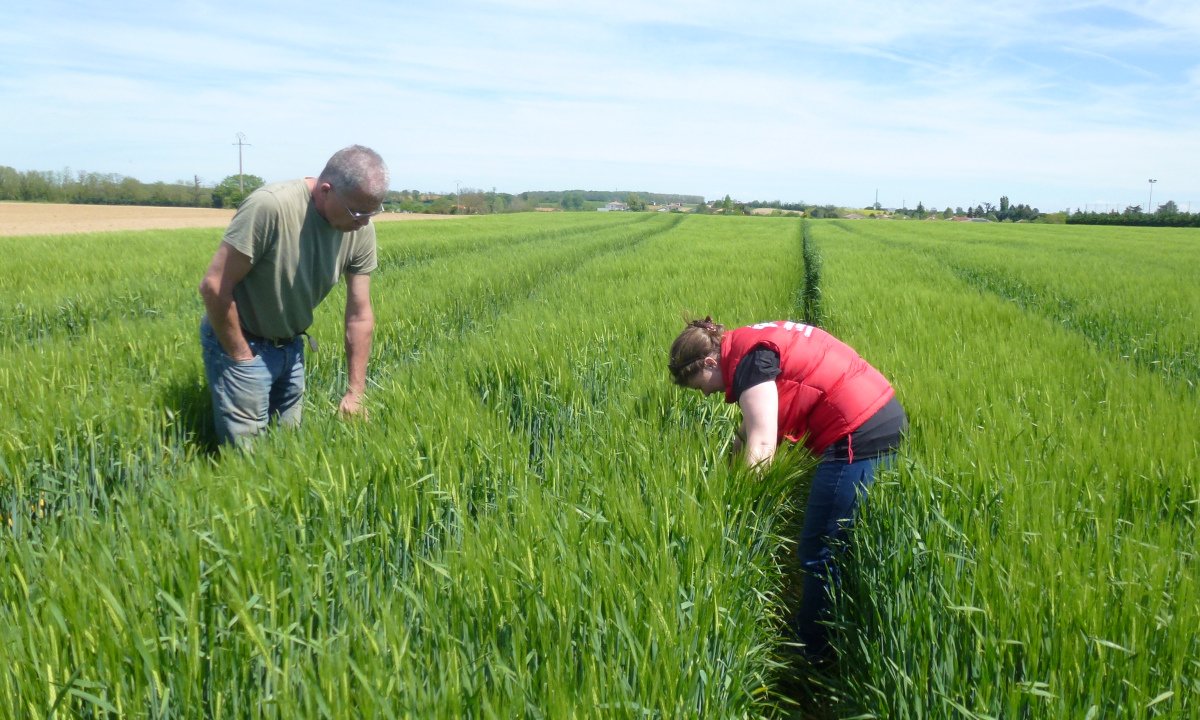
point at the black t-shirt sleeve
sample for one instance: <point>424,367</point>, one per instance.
<point>757,366</point>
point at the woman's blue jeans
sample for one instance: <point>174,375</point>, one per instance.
<point>246,395</point>
<point>832,503</point>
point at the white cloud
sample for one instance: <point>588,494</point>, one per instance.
<point>816,101</point>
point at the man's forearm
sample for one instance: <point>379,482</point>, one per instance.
<point>223,316</point>
<point>227,269</point>
<point>358,349</point>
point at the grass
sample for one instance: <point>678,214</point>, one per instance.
<point>536,523</point>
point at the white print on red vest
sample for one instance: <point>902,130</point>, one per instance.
<point>789,325</point>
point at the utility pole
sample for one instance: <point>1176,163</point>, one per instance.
<point>1150,202</point>
<point>240,143</point>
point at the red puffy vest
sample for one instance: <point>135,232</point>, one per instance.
<point>826,391</point>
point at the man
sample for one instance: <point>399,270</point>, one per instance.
<point>283,252</point>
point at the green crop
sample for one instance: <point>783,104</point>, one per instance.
<point>535,522</point>
<point>1035,555</point>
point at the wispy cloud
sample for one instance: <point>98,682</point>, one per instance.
<point>948,101</point>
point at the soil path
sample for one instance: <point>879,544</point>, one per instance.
<point>61,219</point>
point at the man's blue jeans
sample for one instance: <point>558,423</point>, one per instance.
<point>246,395</point>
<point>832,503</point>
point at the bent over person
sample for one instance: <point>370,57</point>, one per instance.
<point>287,246</point>
<point>797,382</point>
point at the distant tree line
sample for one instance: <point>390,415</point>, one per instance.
<point>729,206</point>
<point>777,205</point>
<point>474,201</point>
<point>1167,215</point>
<point>600,197</point>
<point>93,188</point>
<point>1004,212</point>
<point>83,187</point>
<point>467,201</point>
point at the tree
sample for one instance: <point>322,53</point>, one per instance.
<point>472,201</point>
<point>228,193</point>
<point>572,201</point>
<point>635,203</point>
<point>36,186</point>
<point>442,205</point>
<point>495,202</point>
<point>822,211</point>
<point>10,183</point>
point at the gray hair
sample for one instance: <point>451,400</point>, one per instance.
<point>357,167</point>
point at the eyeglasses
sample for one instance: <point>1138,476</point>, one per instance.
<point>354,214</point>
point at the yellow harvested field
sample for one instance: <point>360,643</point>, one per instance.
<point>60,219</point>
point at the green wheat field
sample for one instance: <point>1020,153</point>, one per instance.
<point>536,523</point>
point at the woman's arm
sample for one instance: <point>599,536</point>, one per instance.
<point>760,420</point>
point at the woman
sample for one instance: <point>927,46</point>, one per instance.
<point>797,382</point>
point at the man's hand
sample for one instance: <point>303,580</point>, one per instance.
<point>227,269</point>
<point>352,405</point>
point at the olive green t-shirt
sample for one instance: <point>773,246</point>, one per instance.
<point>296,258</point>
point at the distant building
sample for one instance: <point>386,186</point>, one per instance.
<point>614,206</point>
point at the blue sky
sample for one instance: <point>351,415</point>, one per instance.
<point>950,103</point>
